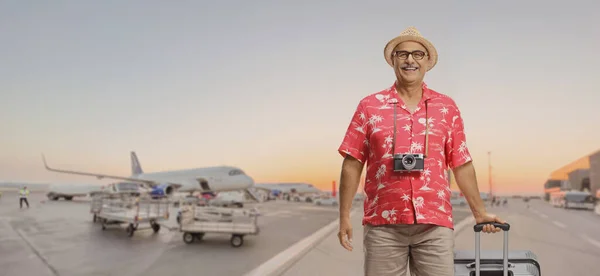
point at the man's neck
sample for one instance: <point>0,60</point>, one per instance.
<point>409,92</point>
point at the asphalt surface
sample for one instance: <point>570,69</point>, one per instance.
<point>59,238</point>
<point>566,242</point>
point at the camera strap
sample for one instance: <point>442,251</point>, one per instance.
<point>426,130</point>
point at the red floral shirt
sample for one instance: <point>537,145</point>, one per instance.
<point>401,197</point>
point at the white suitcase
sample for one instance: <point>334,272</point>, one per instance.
<point>495,262</point>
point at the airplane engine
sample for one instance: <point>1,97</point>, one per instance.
<point>162,190</point>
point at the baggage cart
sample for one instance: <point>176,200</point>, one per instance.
<point>495,262</point>
<point>117,209</point>
<point>199,220</point>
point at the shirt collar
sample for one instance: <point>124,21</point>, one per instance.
<point>427,93</point>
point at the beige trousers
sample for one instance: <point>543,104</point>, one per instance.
<point>390,248</point>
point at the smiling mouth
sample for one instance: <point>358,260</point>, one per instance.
<point>410,69</point>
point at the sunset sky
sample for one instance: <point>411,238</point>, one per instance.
<point>271,86</point>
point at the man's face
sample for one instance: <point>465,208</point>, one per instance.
<point>411,61</point>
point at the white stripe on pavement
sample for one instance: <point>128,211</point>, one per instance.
<point>590,240</point>
<point>559,224</point>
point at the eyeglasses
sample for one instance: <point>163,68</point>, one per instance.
<point>417,55</point>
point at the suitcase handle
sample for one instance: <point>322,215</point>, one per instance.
<point>504,226</point>
<point>477,228</point>
<point>487,263</point>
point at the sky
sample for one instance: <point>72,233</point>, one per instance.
<point>270,86</point>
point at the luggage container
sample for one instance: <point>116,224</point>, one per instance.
<point>495,262</point>
<point>196,221</point>
<point>117,209</point>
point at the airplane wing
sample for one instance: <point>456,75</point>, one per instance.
<point>150,183</point>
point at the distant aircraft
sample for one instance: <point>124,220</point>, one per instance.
<point>300,188</point>
<point>206,179</point>
<point>296,191</point>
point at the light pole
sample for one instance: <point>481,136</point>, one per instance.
<point>490,171</point>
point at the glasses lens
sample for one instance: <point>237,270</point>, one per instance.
<point>418,55</point>
<point>402,54</point>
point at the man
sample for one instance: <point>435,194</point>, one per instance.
<point>407,213</point>
<point>23,193</point>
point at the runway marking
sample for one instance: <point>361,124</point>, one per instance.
<point>535,211</point>
<point>276,213</point>
<point>36,252</point>
<point>590,240</point>
<point>6,239</point>
<point>559,224</point>
<point>284,259</point>
<point>315,208</point>
<point>462,224</point>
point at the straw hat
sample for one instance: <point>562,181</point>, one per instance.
<point>411,34</point>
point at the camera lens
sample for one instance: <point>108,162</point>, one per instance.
<point>408,161</point>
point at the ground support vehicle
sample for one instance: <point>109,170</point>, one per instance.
<point>117,209</point>
<point>199,220</point>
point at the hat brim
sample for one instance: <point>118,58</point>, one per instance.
<point>431,51</point>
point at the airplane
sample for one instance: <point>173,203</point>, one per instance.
<point>300,191</point>
<point>165,183</point>
<point>285,187</point>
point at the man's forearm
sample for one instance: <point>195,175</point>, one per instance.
<point>349,181</point>
<point>467,183</point>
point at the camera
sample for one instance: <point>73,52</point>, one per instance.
<point>409,162</point>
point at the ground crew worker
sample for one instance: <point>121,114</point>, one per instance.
<point>23,193</point>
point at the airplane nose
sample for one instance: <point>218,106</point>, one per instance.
<point>250,181</point>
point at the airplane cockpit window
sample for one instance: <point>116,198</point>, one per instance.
<point>235,172</point>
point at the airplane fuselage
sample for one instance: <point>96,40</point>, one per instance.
<point>206,179</point>
<point>216,179</point>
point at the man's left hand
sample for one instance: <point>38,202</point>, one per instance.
<point>488,228</point>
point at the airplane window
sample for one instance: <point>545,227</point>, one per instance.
<point>235,172</point>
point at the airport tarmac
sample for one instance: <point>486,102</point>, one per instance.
<point>59,238</point>
<point>566,242</point>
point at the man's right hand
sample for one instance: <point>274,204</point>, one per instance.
<point>345,234</point>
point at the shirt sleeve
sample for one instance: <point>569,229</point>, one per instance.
<point>457,153</point>
<point>355,141</point>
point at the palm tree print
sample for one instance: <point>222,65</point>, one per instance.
<point>419,203</point>
<point>387,145</point>
<point>406,199</point>
<point>441,194</point>
<point>380,173</point>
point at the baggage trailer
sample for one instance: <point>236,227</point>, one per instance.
<point>199,220</point>
<point>117,209</point>
<point>495,262</point>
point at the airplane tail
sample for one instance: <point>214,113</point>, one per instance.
<point>136,168</point>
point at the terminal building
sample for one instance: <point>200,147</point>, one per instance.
<point>582,174</point>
